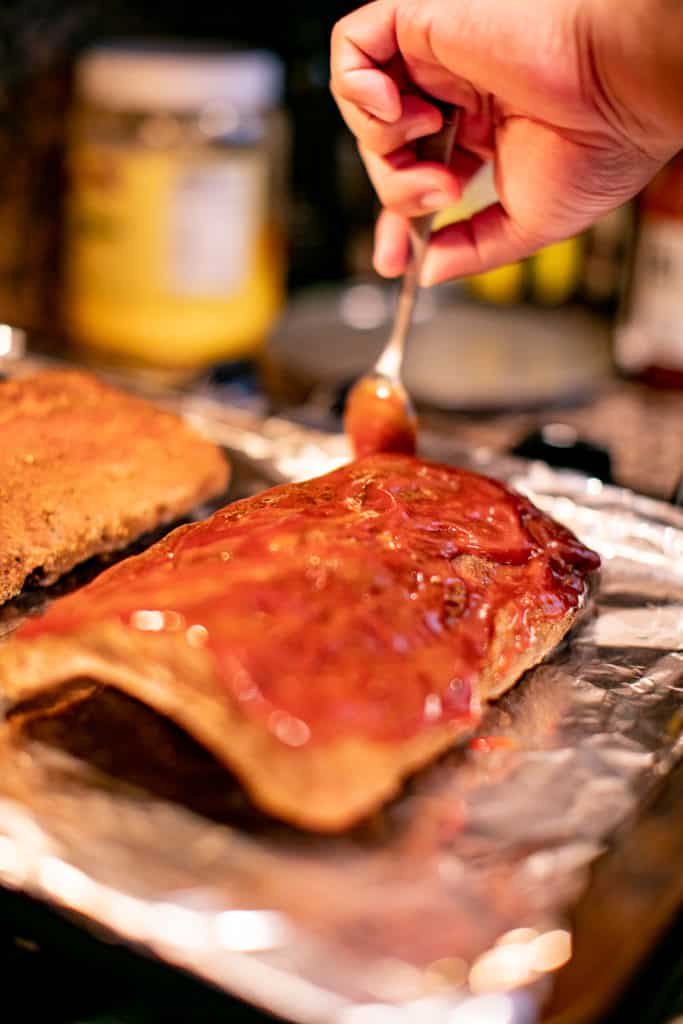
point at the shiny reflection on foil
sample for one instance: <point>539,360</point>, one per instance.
<point>551,951</point>
<point>70,886</point>
<point>181,927</point>
<point>448,972</point>
<point>247,931</point>
<point>502,968</point>
<point>491,1009</point>
<point>126,914</point>
<point>375,1013</point>
<point>516,936</point>
<point>518,958</point>
<point>13,863</point>
<point>638,627</point>
<point>594,486</point>
<point>394,980</point>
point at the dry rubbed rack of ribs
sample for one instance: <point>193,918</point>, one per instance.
<point>86,469</point>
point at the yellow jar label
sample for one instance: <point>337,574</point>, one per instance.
<point>216,213</point>
<point>171,255</point>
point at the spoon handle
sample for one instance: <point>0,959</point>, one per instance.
<point>439,148</point>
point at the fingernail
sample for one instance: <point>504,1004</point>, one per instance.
<point>376,112</point>
<point>435,200</point>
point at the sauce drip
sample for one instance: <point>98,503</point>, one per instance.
<point>360,602</point>
<point>378,418</point>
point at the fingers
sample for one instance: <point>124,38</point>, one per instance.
<point>418,118</point>
<point>476,129</point>
<point>368,96</point>
<point>386,119</point>
<point>360,43</point>
<point>392,245</point>
<point>488,239</point>
<point>410,188</point>
<point>367,84</point>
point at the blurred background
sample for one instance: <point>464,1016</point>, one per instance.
<point>180,201</point>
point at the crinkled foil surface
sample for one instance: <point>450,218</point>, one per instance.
<point>453,905</point>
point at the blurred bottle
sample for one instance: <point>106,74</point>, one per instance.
<point>550,277</point>
<point>607,248</point>
<point>32,114</point>
<point>649,335</point>
<point>175,256</point>
<point>585,270</point>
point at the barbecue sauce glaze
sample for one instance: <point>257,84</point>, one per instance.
<point>347,604</point>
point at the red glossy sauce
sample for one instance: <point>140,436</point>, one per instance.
<point>340,605</point>
<point>377,419</point>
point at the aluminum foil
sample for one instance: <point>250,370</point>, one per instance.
<point>454,904</point>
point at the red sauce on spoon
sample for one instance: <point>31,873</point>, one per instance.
<point>379,418</point>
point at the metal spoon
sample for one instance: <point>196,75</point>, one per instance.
<point>396,424</point>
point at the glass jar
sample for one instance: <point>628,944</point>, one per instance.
<point>174,247</point>
<point>649,335</point>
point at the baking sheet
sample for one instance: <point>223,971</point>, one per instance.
<point>455,904</point>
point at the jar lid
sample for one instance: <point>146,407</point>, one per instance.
<point>142,76</point>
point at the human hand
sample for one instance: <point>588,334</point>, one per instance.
<point>577,102</point>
